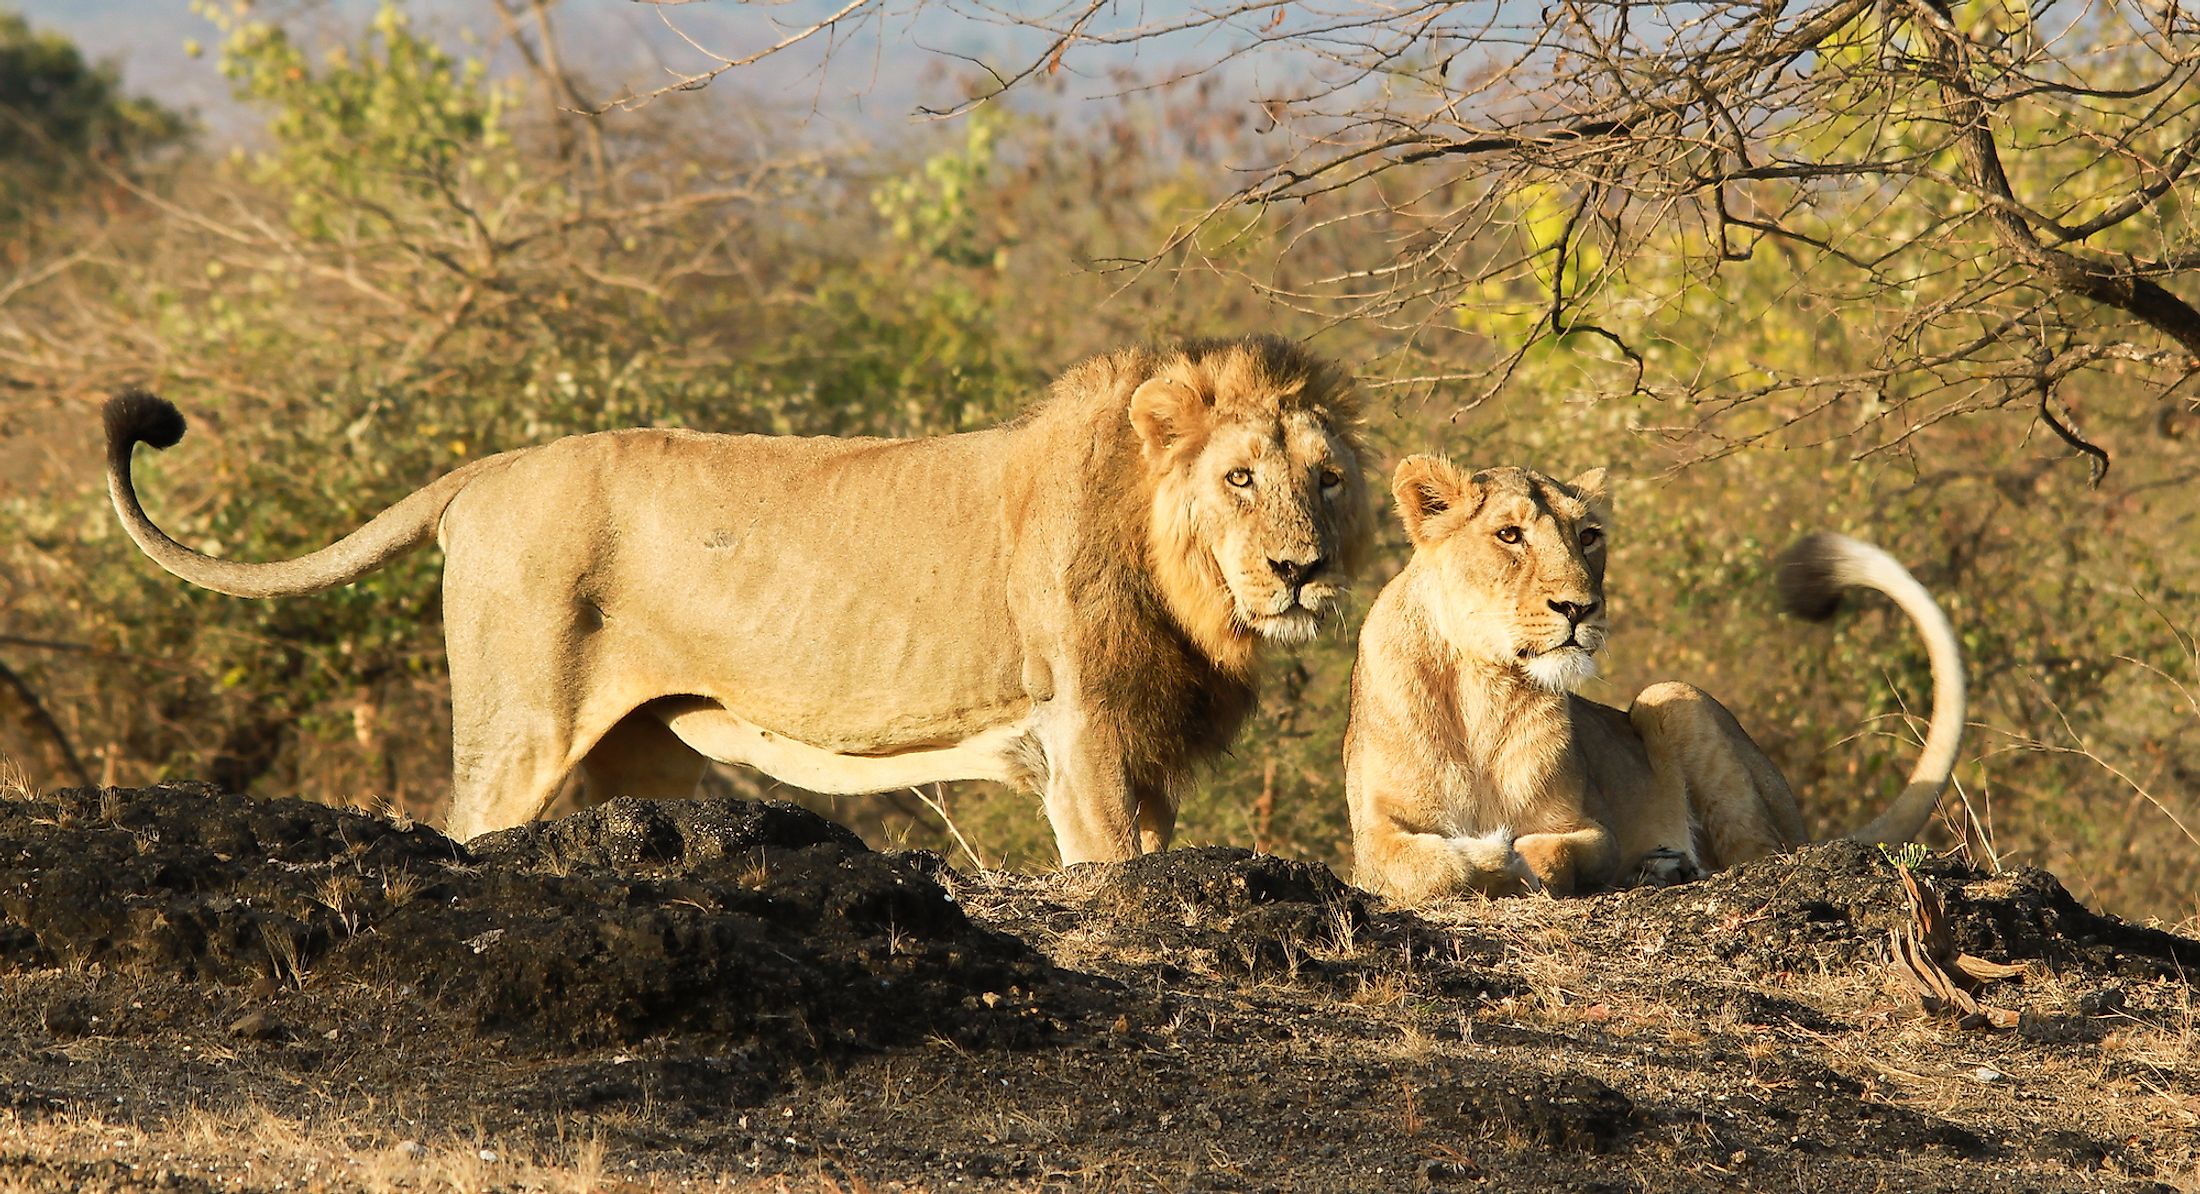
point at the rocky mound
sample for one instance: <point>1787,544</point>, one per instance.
<point>762,924</point>
<point>724,992</point>
<point>1834,903</point>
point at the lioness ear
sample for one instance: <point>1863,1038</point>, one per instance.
<point>1426,487</point>
<point>1591,488</point>
<point>1165,414</point>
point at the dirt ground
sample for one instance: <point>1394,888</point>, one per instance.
<point>207,992</point>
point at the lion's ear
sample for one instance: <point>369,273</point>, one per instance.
<point>1427,487</point>
<point>1591,486</point>
<point>1165,414</point>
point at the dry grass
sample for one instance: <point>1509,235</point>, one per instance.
<point>15,783</point>
<point>257,1146</point>
<point>253,1146</point>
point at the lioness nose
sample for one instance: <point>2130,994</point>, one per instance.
<point>1296,572</point>
<point>1574,611</point>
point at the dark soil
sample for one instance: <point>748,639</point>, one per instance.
<point>717,991</point>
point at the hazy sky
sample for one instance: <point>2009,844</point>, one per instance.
<point>878,70</point>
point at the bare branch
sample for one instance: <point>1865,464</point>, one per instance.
<point>703,78</point>
<point>2102,282</point>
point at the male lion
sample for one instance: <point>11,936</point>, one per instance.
<point>1072,602</point>
<point>1469,764</point>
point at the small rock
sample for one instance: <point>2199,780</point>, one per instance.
<point>257,1026</point>
<point>66,1017</point>
<point>489,1155</point>
<point>411,1150</point>
<point>1442,1170</point>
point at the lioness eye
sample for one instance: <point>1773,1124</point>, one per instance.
<point>1331,478</point>
<point>1508,534</point>
<point>1239,477</point>
<point>1590,536</point>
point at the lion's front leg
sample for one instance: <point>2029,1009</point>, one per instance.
<point>1414,866</point>
<point>1156,817</point>
<point>1091,802</point>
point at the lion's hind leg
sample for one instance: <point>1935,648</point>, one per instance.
<point>1702,760</point>
<point>508,760</point>
<point>529,696</point>
<point>502,774</point>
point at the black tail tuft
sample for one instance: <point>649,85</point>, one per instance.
<point>1809,577</point>
<point>137,416</point>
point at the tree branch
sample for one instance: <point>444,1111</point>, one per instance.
<point>2064,271</point>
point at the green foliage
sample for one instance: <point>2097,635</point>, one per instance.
<point>373,128</point>
<point>935,209</point>
<point>1905,857</point>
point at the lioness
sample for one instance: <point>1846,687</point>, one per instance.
<point>1072,602</point>
<point>1469,764</point>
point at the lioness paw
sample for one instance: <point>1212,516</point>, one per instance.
<point>1549,857</point>
<point>1530,882</point>
<point>1492,866</point>
<point>1665,866</point>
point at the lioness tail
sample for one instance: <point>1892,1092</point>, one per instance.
<point>134,416</point>
<point>1813,575</point>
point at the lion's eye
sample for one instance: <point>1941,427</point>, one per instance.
<point>1331,478</point>
<point>1508,534</point>
<point>1239,477</point>
<point>1590,537</point>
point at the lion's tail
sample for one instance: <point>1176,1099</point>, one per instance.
<point>1813,575</point>
<point>135,416</point>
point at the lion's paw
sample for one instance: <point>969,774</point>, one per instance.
<point>1492,866</point>
<point>1665,866</point>
<point>1523,875</point>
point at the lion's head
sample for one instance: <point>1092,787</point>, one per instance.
<point>1258,517</point>
<point>1518,559</point>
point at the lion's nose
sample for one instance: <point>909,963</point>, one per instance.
<point>1575,612</point>
<point>1296,572</point>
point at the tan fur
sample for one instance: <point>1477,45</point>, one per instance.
<point>1073,601</point>
<point>1471,767</point>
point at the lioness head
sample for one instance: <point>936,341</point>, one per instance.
<point>1519,561</point>
<point>1259,515</point>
